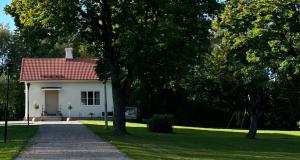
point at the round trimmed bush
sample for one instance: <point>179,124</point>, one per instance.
<point>161,123</point>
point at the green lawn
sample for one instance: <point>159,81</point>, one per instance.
<point>18,136</point>
<point>202,143</point>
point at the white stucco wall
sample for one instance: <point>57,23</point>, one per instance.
<point>70,93</point>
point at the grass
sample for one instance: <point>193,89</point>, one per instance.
<point>201,143</point>
<point>18,136</point>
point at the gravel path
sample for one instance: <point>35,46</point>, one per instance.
<point>68,140</point>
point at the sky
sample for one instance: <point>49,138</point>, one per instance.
<point>6,19</point>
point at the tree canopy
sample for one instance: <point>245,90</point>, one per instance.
<point>150,42</point>
<point>8,50</point>
<point>258,44</point>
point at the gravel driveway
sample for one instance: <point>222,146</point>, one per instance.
<point>68,140</point>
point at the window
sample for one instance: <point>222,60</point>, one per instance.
<point>83,98</point>
<point>97,98</point>
<point>89,98</point>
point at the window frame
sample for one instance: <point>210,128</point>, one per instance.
<point>87,98</point>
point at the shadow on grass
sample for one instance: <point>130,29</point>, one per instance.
<point>193,143</point>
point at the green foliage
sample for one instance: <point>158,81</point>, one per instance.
<point>256,49</point>
<point>13,49</point>
<point>16,98</point>
<point>258,37</point>
<point>170,45</point>
<point>36,106</point>
<point>5,36</point>
<point>166,35</point>
<point>4,40</point>
<point>161,123</point>
<point>48,27</point>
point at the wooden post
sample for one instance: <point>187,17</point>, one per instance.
<point>28,86</point>
<point>105,106</point>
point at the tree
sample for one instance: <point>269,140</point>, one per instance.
<point>5,36</point>
<point>134,40</point>
<point>16,96</point>
<point>7,46</point>
<point>258,40</point>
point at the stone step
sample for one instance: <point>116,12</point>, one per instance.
<point>51,118</point>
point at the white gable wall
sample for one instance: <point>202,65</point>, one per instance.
<point>70,93</point>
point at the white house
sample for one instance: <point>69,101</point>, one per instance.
<point>56,83</point>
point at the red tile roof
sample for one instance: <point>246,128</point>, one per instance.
<point>36,69</point>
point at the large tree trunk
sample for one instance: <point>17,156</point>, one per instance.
<point>255,112</point>
<point>119,108</point>
<point>253,126</point>
<point>111,59</point>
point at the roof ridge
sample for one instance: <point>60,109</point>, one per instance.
<point>62,58</point>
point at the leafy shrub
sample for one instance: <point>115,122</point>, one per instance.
<point>161,123</point>
<point>36,106</point>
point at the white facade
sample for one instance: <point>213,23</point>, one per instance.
<point>68,92</point>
